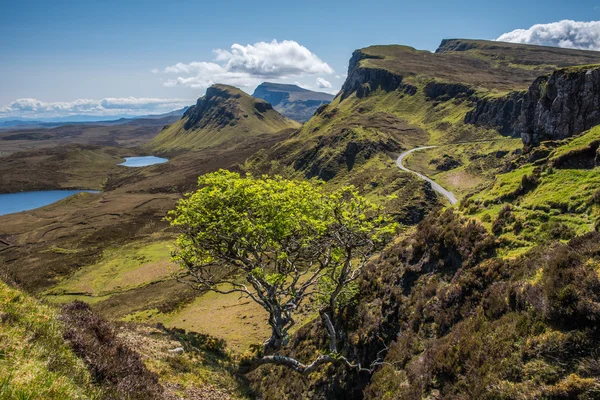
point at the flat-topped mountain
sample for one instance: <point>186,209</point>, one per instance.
<point>483,65</point>
<point>224,113</point>
<point>397,97</point>
<point>292,101</point>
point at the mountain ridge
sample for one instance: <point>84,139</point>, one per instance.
<point>224,113</point>
<point>292,101</point>
<point>496,297</point>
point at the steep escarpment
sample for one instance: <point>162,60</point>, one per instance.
<point>496,300</point>
<point>363,80</point>
<point>224,114</point>
<point>503,54</point>
<point>500,113</point>
<point>555,106</point>
<point>292,101</point>
<point>397,97</point>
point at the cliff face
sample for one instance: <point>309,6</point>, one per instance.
<point>501,113</point>
<point>364,80</point>
<point>557,106</point>
<point>213,108</point>
<point>224,114</point>
<point>292,101</point>
<point>562,105</point>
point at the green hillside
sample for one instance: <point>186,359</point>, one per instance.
<point>396,98</point>
<point>35,361</point>
<point>557,196</point>
<point>495,297</point>
<point>224,114</point>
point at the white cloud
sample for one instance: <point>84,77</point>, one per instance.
<point>566,33</point>
<point>274,59</point>
<point>154,70</point>
<point>247,66</point>
<point>323,84</point>
<point>342,76</point>
<point>105,107</point>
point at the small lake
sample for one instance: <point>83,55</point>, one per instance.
<point>135,162</point>
<point>16,202</point>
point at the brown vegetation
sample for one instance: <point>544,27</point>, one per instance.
<point>118,369</point>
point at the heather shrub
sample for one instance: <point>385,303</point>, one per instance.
<point>118,369</point>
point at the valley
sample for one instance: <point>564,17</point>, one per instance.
<point>497,241</point>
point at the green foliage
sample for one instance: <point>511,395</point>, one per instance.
<point>268,213</point>
<point>551,192</point>
<point>290,240</point>
<point>249,213</point>
<point>35,362</point>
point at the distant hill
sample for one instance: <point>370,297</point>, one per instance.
<point>24,123</point>
<point>292,101</point>
<point>224,113</point>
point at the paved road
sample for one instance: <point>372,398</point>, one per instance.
<point>435,186</point>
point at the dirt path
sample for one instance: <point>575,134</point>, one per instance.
<point>435,186</point>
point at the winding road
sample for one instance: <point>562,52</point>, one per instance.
<point>435,186</point>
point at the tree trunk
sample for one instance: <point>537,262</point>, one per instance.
<point>274,343</point>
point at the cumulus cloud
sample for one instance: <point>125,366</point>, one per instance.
<point>104,107</point>
<point>566,33</point>
<point>323,84</point>
<point>249,65</point>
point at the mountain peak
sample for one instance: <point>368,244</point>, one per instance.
<point>223,113</point>
<point>291,100</point>
<point>281,87</point>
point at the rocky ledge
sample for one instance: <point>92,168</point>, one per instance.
<point>364,80</point>
<point>556,106</point>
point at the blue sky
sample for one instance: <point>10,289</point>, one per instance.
<point>61,51</point>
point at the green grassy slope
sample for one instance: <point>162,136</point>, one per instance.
<point>553,193</point>
<point>465,168</point>
<point>35,361</point>
<point>396,98</point>
<point>483,65</point>
<point>224,114</point>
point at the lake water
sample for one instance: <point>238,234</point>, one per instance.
<point>143,161</point>
<point>16,202</point>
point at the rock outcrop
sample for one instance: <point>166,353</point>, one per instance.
<point>499,113</point>
<point>363,80</point>
<point>556,106</point>
<point>223,114</point>
<point>213,108</point>
<point>292,101</point>
<point>445,91</point>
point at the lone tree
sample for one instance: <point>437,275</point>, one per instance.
<point>280,243</point>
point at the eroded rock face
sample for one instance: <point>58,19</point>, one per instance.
<point>501,113</point>
<point>446,91</point>
<point>213,104</point>
<point>363,81</point>
<point>561,106</point>
<point>557,106</point>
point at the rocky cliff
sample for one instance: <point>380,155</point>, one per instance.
<point>223,114</point>
<point>213,108</point>
<point>555,106</point>
<point>292,101</point>
<point>363,80</point>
